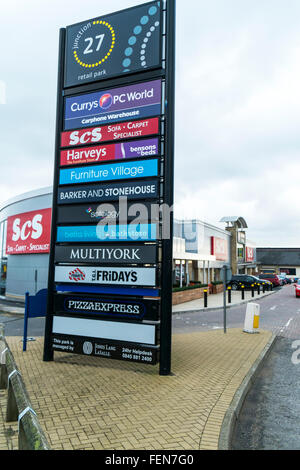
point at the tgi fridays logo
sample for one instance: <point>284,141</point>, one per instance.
<point>77,275</point>
<point>99,275</point>
<point>138,276</point>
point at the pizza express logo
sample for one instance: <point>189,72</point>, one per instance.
<point>93,44</point>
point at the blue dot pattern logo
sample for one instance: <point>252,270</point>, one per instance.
<point>141,36</point>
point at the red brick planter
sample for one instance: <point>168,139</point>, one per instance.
<point>188,295</point>
<point>217,289</point>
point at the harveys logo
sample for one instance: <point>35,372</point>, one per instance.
<point>76,275</point>
<point>105,101</point>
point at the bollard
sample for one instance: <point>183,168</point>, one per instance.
<point>258,289</point>
<point>264,288</point>
<point>243,292</point>
<point>252,290</point>
<point>229,295</point>
<point>251,324</point>
<point>205,298</point>
<point>3,371</point>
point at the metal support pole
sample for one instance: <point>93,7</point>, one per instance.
<point>229,295</point>
<point>243,292</point>
<point>167,245</point>
<point>224,297</point>
<point>48,351</point>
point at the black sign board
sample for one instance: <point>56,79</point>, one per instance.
<point>106,255</point>
<point>125,308</point>
<point>114,69</point>
<point>106,349</point>
<point>112,211</point>
<point>125,42</point>
<point>108,192</point>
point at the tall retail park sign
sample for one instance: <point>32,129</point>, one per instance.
<point>110,269</point>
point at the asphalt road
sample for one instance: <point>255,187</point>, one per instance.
<point>269,419</point>
<point>270,416</point>
<point>279,313</point>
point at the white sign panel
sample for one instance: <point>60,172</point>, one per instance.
<point>106,275</point>
<point>130,332</point>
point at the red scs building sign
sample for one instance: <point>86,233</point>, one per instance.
<point>29,233</point>
<point>249,254</point>
<point>219,248</point>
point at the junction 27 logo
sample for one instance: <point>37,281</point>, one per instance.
<point>94,44</point>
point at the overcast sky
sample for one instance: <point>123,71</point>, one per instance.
<point>237,101</point>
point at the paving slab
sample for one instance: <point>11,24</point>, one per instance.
<point>91,403</point>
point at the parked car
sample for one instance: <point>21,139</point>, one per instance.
<point>245,280</point>
<point>297,288</point>
<point>283,280</point>
<point>272,278</point>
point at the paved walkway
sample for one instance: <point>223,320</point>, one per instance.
<point>216,301</point>
<point>93,403</point>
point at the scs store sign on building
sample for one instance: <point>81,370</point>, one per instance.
<point>29,233</point>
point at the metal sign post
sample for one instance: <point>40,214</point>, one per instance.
<point>224,297</point>
<point>226,276</point>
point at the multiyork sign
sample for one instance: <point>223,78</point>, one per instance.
<point>118,44</point>
<point>123,254</point>
<point>29,233</point>
<point>99,154</point>
<point>110,192</point>
<point>107,307</point>
<point>96,233</point>
<point>125,130</point>
<point>106,275</point>
<point>118,104</point>
<point>120,171</point>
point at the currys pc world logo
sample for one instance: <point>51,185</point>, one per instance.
<point>106,101</point>
<point>119,104</point>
